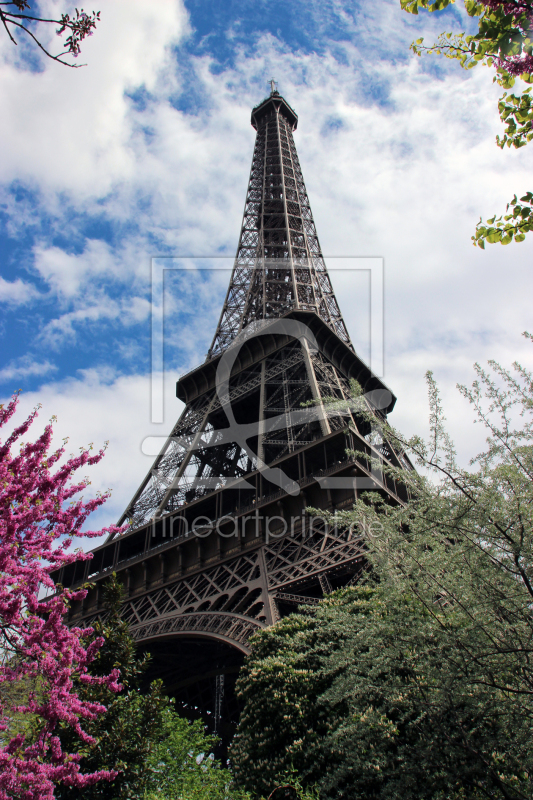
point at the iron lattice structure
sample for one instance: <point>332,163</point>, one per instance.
<point>279,268</point>
<point>220,542</point>
<point>279,265</point>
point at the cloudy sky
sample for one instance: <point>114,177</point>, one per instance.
<point>146,151</point>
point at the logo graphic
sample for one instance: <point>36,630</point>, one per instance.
<point>241,434</point>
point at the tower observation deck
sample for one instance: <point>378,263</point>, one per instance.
<point>220,543</point>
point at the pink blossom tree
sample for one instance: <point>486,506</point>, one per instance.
<point>40,514</point>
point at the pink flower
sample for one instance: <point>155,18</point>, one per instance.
<point>38,520</point>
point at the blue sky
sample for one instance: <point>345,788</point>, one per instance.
<point>146,152</point>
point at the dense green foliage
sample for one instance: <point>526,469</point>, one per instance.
<point>182,767</point>
<point>361,699</point>
<point>418,682</point>
<point>503,41</point>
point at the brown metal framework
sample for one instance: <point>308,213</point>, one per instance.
<point>218,547</point>
<point>279,265</point>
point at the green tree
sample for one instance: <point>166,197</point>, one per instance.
<point>356,698</point>
<point>16,695</point>
<point>279,685</point>
<point>183,768</point>
<point>503,42</point>
<point>464,548</point>
<point>418,682</point>
<point>182,765</point>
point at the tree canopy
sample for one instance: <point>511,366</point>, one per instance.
<point>182,765</point>
<point>417,683</point>
<point>505,43</point>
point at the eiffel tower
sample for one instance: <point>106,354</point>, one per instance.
<point>220,541</point>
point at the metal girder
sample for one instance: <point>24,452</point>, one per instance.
<point>291,560</point>
<point>196,459</point>
<point>297,599</point>
<point>215,586</point>
<point>231,628</point>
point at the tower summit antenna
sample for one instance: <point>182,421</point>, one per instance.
<point>273,87</point>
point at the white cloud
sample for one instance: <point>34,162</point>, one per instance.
<point>67,129</point>
<point>62,329</point>
<point>125,311</point>
<point>25,367</point>
<point>71,276</point>
<point>66,273</point>
<point>17,292</point>
<point>137,310</point>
